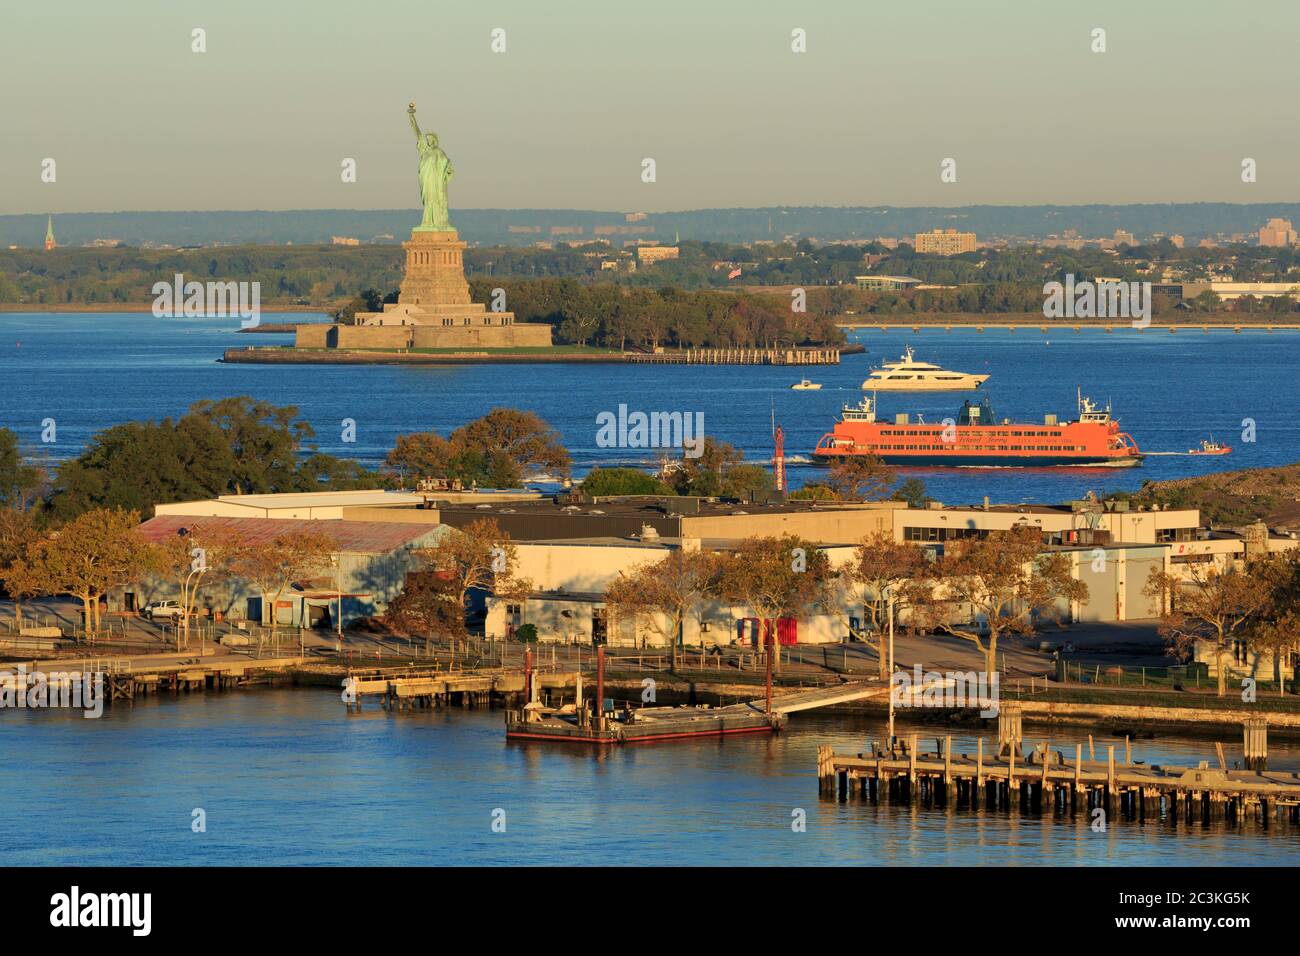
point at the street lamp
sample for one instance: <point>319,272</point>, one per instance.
<point>338,580</point>
<point>186,597</point>
<point>889,611</point>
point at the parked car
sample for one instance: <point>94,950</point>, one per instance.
<point>167,610</point>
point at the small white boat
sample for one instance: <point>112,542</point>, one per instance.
<point>803,385</point>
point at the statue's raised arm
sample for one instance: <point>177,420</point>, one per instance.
<point>410,112</point>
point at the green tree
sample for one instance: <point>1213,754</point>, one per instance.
<point>719,471</point>
<point>263,441</point>
<point>18,480</point>
<point>861,478</point>
<point>231,446</point>
<point>622,481</point>
<point>912,491</point>
<point>498,451</point>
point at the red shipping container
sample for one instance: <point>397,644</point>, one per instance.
<point>787,631</point>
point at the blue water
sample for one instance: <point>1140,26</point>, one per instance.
<point>88,371</point>
<point>287,777</point>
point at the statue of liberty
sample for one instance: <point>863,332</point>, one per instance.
<point>435,170</point>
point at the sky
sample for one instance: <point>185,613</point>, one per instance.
<point>711,90</point>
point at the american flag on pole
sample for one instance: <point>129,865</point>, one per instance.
<point>733,273</point>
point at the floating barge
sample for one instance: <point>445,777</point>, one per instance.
<point>645,724</point>
<point>598,722</point>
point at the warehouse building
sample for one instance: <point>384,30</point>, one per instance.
<point>358,580</point>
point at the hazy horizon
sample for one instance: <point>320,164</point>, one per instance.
<point>563,119</point>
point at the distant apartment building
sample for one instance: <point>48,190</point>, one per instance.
<point>945,242</point>
<point>566,230</point>
<point>651,254</point>
<point>634,217</point>
<point>623,230</point>
<point>1123,237</point>
<point>344,241</point>
<point>1227,290</point>
<point>523,230</point>
<point>1277,232</point>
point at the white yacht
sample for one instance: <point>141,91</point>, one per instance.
<point>909,375</point>
<point>803,385</point>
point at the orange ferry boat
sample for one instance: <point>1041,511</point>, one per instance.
<point>977,439</point>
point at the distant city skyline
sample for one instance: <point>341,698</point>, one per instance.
<point>583,94</point>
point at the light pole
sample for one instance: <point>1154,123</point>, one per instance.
<point>338,580</point>
<point>889,611</point>
<point>186,597</point>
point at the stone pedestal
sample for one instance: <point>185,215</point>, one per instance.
<point>435,270</point>
<point>433,310</point>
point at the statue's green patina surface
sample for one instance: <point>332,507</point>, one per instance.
<point>435,171</point>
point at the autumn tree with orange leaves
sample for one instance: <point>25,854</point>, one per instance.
<point>1007,580</point>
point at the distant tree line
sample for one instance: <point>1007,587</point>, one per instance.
<point>613,316</point>
<point>654,297</point>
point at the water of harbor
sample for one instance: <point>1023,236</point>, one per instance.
<point>285,776</point>
<point>89,371</point>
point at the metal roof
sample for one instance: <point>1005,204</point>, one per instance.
<point>363,537</point>
<point>324,499</point>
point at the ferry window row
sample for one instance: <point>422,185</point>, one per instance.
<point>920,433</point>
<point>967,448</point>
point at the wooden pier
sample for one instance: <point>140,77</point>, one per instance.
<point>129,678</point>
<point>740,356</point>
<point>408,689</point>
<point>1048,781</point>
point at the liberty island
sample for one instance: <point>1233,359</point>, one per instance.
<point>433,310</point>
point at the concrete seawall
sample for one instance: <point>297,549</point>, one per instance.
<point>293,356</point>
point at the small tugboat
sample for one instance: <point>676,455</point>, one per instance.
<point>1210,447</point>
<point>803,385</point>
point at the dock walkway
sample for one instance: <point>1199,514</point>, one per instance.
<point>129,677</point>
<point>1050,780</point>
